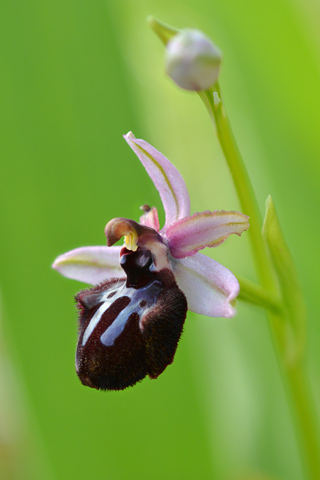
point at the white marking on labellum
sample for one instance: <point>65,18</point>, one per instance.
<point>147,295</point>
<point>107,302</point>
<point>140,300</point>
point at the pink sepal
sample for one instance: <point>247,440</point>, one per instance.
<point>166,178</point>
<point>208,286</point>
<point>90,264</point>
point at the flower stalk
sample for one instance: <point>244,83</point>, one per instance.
<point>280,292</point>
<point>241,181</point>
<point>252,293</point>
<point>284,303</point>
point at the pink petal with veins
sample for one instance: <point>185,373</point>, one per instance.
<point>208,286</point>
<point>90,264</point>
<point>207,229</point>
<point>166,178</point>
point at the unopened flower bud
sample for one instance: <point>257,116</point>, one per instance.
<point>192,60</point>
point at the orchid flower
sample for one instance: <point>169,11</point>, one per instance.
<point>131,320</point>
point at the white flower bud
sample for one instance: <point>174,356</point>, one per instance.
<point>192,60</point>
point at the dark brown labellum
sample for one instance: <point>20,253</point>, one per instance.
<point>129,327</point>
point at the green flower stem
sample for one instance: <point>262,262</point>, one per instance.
<point>281,314</point>
<point>252,293</point>
<point>301,401</point>
<point>242,183</point>
<point>289,285</point>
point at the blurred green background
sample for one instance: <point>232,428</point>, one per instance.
<point>75,76</point>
